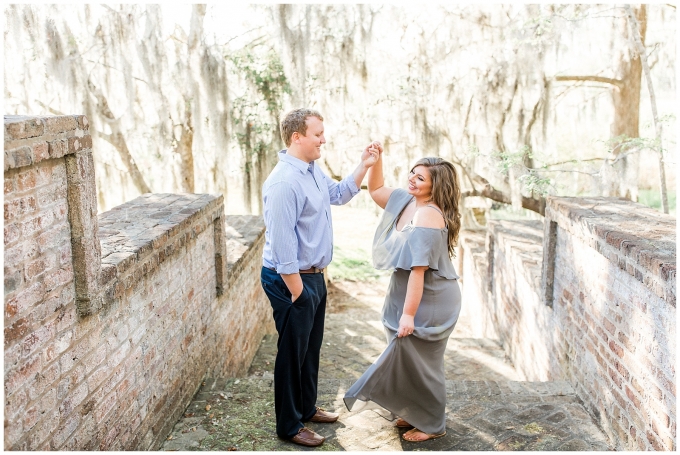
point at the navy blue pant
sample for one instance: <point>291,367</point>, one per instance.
<point>300,328</point>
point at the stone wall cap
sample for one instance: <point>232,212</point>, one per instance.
<point>637,238</point>
<point>137,226</point>
<point>619,217</point>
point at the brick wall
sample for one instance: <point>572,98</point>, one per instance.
<point>112,321</point>
<point>588,296</point>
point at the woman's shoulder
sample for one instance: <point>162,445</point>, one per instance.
<point>429,217</point>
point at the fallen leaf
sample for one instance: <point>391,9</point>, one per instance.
<point>232,449</point>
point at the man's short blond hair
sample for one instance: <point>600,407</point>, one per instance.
<point>296,121</point>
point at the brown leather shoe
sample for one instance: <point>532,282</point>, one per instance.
<point>323,416</point>
<point>306,437</point>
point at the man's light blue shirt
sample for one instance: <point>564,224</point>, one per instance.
<point>297,214</point>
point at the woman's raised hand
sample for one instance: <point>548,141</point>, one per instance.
<point>371,154</point>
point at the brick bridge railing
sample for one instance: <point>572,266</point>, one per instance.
<point>586,296</point>
<point>113,320</point>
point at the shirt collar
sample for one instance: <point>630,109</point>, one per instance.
<point>295,162</point>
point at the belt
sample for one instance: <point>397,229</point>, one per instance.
<point>309,270</point>
<point>312,270</point>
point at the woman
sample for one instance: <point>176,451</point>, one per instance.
<point>415,239</point>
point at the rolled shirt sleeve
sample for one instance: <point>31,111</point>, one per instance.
<point>281,212</point>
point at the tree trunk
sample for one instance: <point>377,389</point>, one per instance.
<point>621,180</point>
<point>186,140</point>
<point>638,29</point>
<point>184,149</point>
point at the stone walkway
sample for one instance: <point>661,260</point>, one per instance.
<point>488,406</point>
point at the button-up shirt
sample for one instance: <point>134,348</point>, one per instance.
<point>297,214</point>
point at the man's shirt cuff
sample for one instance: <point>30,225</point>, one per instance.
<point>287,268</point>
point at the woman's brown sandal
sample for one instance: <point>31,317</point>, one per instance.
<point>401,423</point>
<point>415,430</point>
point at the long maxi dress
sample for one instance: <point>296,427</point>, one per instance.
<point>408,378</point>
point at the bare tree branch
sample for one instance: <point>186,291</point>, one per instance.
<point>575,161</point>
<point>487,191</point>
<point>604,80</point>
<point>52,110</point>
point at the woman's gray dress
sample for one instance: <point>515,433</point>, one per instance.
<point>408,377</point>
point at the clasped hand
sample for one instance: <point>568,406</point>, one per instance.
<point>406,325</point>
<point>371,154</point>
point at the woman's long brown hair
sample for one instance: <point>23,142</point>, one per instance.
<point>445,193</point>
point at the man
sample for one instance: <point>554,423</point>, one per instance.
<point>298,247</point>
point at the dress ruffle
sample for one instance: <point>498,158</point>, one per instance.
<point>412,246</point>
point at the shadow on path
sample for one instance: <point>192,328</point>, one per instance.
<point>488,408</point>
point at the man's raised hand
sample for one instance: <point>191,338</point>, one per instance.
<point>371,154</point>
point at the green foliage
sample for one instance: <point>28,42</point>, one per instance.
<point>531,180</point>
<point>507,160</point>
<point>626,144</point>
<point>652,198</point>
<point>265,72</point>
<point>534,183</point>
<point>255,112</point>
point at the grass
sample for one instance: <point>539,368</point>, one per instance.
<point>652,198</point>
<point>353,265</point>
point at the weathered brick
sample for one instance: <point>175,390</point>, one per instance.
<point>73,399</point>
<point>633,398</point>
<point>39,266</point>
<point>42,407</point>
<point>20,157</point>
<point>58,277</point>
<point>58,345</point>
<point>72,348</point>
<point>65,430</point>
<point>17,377</point>
<point>16,331</point>
<point>18,208</point>
<point>51,194</point>
<point>665,382</point>
<point>58,148</point>
<point>616,349</point>
<point>40,151</point>
<point>39,337</point>
<point>654,441</point>
<point>12,281</point>
<point>33,225</point>
<point>61,123</point>
<point>16,255</point>
<point>76,144</point>
<point>104,406</point>
<point>70,380</point>
<point>24,128</point>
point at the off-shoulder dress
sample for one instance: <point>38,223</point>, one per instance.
<point>408,378</point>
